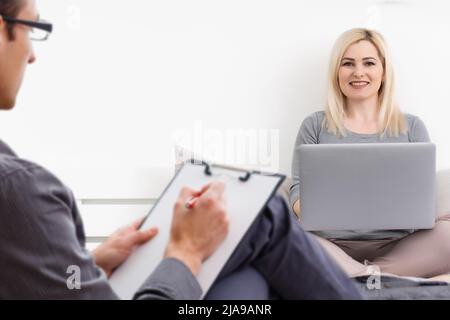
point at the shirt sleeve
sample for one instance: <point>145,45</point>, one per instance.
<point>43,254</point>
<point>308,134</point>
<point>42,247</point>
<point>171,280</point>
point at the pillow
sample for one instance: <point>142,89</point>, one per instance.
<point>443,191</point>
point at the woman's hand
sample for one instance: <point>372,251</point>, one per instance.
<point>297,209</point>
<point>118,247</point>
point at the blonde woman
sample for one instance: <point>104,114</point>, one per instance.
<point>361,108</point>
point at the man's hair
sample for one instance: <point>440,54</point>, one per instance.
<point>10,8</point>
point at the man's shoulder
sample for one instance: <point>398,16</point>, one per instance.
<point>11,165</point>
<point>29,190</point>
<point>24,175</point>
<point>6,149</point>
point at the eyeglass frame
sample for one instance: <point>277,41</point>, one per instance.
<point>42,25</point>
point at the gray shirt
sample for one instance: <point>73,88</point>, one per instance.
<point>41,236</point>
<point>312,132</point>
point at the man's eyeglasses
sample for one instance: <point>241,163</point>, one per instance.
<point>40,30</point>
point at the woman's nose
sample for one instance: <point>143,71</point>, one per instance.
<point>358,72</point>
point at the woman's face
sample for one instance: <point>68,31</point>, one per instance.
<point>360,72</point>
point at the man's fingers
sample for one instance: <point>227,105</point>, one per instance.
<point>204,188</point>
<point>130,227</point>
<point>136,224</point>
<point>207,194</point>
<point>186,193</point>
<point>141,237</point>
<point>216,189</point>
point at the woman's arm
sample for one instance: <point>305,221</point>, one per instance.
<point>307,134</point>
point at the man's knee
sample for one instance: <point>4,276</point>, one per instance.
<point>278,210</point>
<point>277,206</point>
<point>243,284</point>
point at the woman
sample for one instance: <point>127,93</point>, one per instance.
<point>42,252</point>
<point>361,109</point>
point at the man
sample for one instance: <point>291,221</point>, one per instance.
<point>41,233</point>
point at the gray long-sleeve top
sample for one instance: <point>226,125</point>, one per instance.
<point>41,235</point>
<point>312,132</point>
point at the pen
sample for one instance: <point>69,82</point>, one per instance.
<point>191,202</point>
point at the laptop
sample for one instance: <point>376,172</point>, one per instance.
<point>367,186</point>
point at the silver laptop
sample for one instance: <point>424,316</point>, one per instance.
<point>370,186</point>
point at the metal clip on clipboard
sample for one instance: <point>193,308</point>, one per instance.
<point>243,178</point>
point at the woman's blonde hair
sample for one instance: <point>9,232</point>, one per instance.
<point>390,119</point>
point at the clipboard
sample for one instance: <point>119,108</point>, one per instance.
<point>247,193</point>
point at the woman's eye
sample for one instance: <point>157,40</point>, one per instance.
<point>347,64</point>
<point>370,63</point>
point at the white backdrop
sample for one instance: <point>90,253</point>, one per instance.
<point>118,80</point>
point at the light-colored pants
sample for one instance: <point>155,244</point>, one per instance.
<point>425,253</point>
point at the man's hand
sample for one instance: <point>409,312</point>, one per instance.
<point>117,248</point>
<point>197,231</point>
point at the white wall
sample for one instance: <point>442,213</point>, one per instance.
<point>118,80</point>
